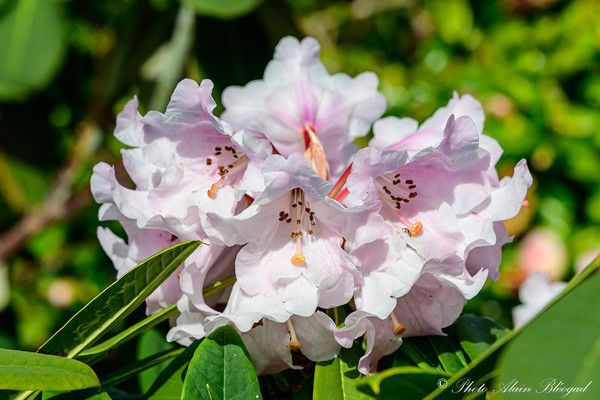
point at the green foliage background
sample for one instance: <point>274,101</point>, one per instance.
<point>67,68</point>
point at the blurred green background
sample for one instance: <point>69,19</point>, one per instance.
<point>67,68</point>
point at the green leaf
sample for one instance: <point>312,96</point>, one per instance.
<point>336,379</point>
<point>74,396</point>
<point>484,365</point>
<point>22,370</point>
<point>33,38</point>
<point>108,382</point>
<point>169,383</point>
<point>421,352</point>
<point>451,358</point>
<point>477,334</point>
<point>149,343</point>
<point>100,349</point>
<point>403,382</point>
<point>225,9</point>
<point>117,301</point>
<point>221,369</point>
<point>134,369</point>
<point>21,184</point>
<point>562,345</point>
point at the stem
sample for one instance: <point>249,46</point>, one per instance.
<point>179,48</point>
<point>56,204</point>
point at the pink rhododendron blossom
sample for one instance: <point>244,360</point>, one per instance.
<point>439,196</point>
<point>300,107</point>
<point>404,231</point>
<point>380,338</point>
<point>271,344</point>
<point>543,250</point>
<point>266,328</point>
<point>183,163</point>
<point>293,235</point>
<point>433,302</point>
<point>442,196</point>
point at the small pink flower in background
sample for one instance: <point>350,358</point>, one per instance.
<point>543,250</point>
<point>537,291</point>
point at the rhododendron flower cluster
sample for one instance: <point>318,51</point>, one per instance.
<point>402,232</point>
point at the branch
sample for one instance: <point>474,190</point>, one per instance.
<point>55,206</point>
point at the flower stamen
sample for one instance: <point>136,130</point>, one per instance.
<point>399,328</point>
<point>298,258</point>
<point>226,170</point>
<point>395,201</point>
<point>294,343</point>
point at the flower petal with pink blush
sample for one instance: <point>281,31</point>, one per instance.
<point>183,164</point>
<point>293,233</point>
<point>297,92</point>
<point>315,334</point>
<point>210,264</point>
<point>488,257</point>
<point>390,130</point>
<point>379,336</point>
<point>457,106</point>
<point>389,269</point>
<point>505,200</point>
<point>267,344</point>
<point>393,133</point>
<point>430,306</point>
<point>129,129</point>
<point>141,244</point>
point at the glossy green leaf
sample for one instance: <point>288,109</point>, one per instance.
<point>77,395</point>
<point>224,8</point>
<point>483,367</point>
<point>33,39</point>
<point>150,342</point>
<point>169,383</point>
<point>108,382</point>
<point>476,334</point>
<point>403,382</point>
<point>22,370</point>
<point>558,350</point>
<point>421,352</point>
<point>336,379</point>
<point>117,301</point>
<point>221,369</point>
<point>139,366</point>
<point>100,349</point>
<point>450,356</point>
